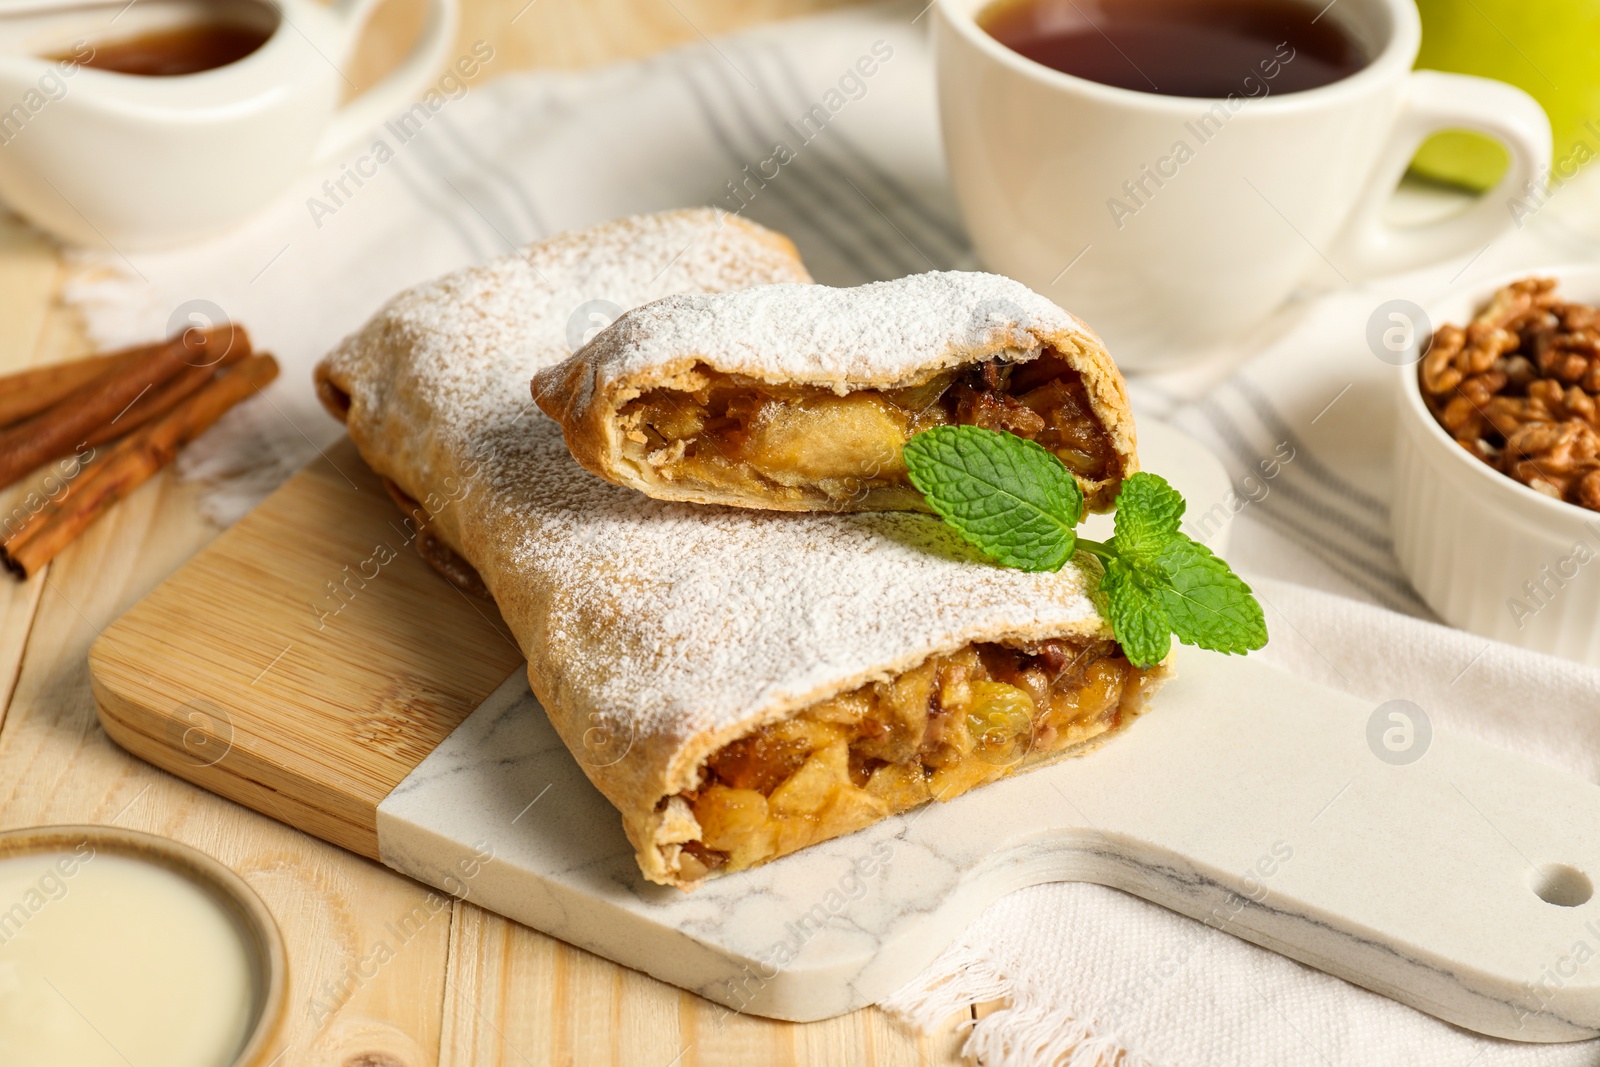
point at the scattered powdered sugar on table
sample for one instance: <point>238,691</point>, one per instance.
<point>658,620</point>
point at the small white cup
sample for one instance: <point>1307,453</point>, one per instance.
<point>134,162</point>
<point>1486,552</point>
<point>1271,186</point>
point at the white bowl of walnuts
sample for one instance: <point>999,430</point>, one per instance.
<point>1496,515</point>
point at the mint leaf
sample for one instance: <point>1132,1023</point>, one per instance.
<point>1138,616</point>
<point>1148,513</point>
<point>1192,592</point>
<point>1019,503</point>
<point>1208,604</point>
<point>1011,498</point>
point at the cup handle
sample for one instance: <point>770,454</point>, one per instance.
<point>401,86</point>
<point>1437,101</point>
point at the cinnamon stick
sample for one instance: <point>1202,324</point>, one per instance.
<point>157,402</point>
<point>59,430</point>
<point>128,464</point>
<point>34,390</point>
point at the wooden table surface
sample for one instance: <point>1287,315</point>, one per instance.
<point>468,988</point>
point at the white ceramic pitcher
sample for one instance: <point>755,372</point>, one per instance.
<point>105,158</point>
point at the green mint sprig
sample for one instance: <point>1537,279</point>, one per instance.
<point>1018,503</point>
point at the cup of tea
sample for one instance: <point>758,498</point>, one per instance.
<point>151,124</point>
<point>1171,169</point>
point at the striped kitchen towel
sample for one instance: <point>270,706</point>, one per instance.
<point>782,126</point>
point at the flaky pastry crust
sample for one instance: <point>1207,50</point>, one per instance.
<point>882,338</point>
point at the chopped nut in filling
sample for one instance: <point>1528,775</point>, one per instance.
<point>735,433</point>
<point>932,733</point>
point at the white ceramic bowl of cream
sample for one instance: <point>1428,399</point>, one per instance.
<point>1487,553</point>
<point>122,947</point>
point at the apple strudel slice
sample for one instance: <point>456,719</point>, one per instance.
<point>800,397</point>
<point>739,684</point>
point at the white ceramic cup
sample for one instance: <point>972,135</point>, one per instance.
<point>1269,187</point>
<point>104,158</point>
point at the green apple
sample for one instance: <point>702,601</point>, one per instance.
<point>1549,48</point>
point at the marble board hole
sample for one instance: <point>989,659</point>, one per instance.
<point>1559,884</point>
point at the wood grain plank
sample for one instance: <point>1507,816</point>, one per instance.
<point>519,998</point>
<point>547,33</point>
<point>29,276</point>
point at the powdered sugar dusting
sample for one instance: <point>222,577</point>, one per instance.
<point>886,333</point>
<point>651,620</point>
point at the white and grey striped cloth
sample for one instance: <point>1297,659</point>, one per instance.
<point>780,125</point>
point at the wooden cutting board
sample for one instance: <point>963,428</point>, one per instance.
<point>308,665</point>
<point>305,661</point>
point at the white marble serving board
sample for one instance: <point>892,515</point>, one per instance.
<point>1246,798</point>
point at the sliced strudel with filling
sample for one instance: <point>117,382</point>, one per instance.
<point>800,397</point>
<point>739,684</point>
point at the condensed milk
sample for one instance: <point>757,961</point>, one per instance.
<point>113,957</point>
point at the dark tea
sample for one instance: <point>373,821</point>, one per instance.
<point>181,50</point>
<point>1204,48</point>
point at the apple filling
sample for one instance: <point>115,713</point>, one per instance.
<point>737,434</point>
<point>932,733</point>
